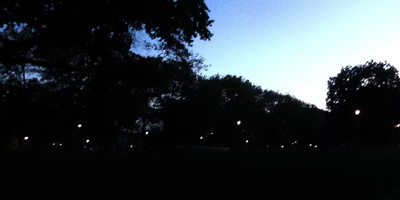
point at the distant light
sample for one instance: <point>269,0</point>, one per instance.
<point>315,146</point>
<point>54,144</point>
<point>60,144</point>
<point>239,122</point>
<point>310,145</point>
<point>282,146</point>
<point>201,137</point>
<point>146,133</point>
<point>211,133</point>
<point>79,125</point>
<point>247,141</point>
<point>397,126</point>
<point>131,146</point>
<point>357,112</point>
<point>87,141</point>
<point>26,138</point>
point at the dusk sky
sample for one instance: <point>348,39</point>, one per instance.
<point>294,46</point>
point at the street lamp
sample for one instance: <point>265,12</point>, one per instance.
<point>239,122</point>
<point>357,113</point>
<point>79,125</point>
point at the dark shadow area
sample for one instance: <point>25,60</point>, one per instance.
<point>205,175</point>
<point>84,114</point>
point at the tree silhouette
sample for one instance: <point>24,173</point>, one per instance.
<point>373,88</point>
<point>82,58</point>
<point>208,115</point>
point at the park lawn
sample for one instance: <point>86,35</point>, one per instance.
<point>204,174</point>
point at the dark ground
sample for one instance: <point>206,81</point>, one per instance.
<point>363,174</point>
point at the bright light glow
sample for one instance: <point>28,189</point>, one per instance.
<point>26,138</point>
<point>397,126</point>
<point>87,141</point>
<point>146,133</point>
<point>282,146</point>
<point>60,144</point>
<point>357,112</point>
<point>247,141</point>
<point>211,133</point>
<point>310,145</point>
<point>201,137</point>
<point>315,146</point>
<point>131,146</point>
<point>54,144</point>
<point>79,125</point>
<point>239,122</point>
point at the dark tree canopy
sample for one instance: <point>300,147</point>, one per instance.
<point>81,33</point>
<point>351,81</point>
<point>373,88</point>
<point>70,62</point>
<point>212,108</point>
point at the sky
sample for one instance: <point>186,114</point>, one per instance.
<point>294,46</point>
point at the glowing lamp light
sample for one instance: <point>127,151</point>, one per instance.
<point>397,126</point>
<point>131,146</point>
<point>247,141</point>
<point>357,112</point>
<point>239,122</point>
<point>282,146</point>
<point>87,141</point>
<point>26,138</point>
<point>201,137</point>
<point>79,125</point>
<point>146,133</point>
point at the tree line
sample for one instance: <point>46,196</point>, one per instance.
<point>75,77</point>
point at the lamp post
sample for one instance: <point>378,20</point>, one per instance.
<point>395,137</point>
<point>357,113</point>
<point>235,138</point>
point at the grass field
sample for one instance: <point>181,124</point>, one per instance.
<point>363,174</point>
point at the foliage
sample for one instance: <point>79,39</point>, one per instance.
<point>64,63</point>
<point>209,116</point>
<point>372,88</point>
<point>68,62</point>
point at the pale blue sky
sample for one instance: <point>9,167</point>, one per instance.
<point>294,46</point>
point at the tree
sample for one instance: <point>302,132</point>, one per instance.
<point>373,88</point>
<point>82,55</point>
<point>209,114</point>
<point>215,105</point>
<point>58,33</point>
